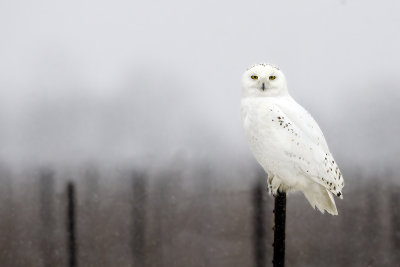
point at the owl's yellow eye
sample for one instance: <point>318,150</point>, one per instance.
<point>254,77</point>
<point>272,77</point>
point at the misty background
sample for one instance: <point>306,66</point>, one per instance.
<point>95,91</point>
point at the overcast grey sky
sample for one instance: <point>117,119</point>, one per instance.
<point>128,79</point>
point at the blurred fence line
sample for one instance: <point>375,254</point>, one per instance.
<point>122,217</point>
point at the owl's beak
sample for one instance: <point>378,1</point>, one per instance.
<point>263,86</point>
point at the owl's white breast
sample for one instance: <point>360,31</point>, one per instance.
<point>264,135</point>
<point>259,131</point>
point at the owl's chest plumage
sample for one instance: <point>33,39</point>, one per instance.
<point>272,139</point>
<point>260,122</point>
<point>256,123</point>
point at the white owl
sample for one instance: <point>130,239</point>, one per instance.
<point>286,140</point>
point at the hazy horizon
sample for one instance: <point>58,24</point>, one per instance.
<point>136,80</point>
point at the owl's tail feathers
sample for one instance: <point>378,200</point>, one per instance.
<point>321,198</point>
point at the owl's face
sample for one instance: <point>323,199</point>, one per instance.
<point>263,80</point>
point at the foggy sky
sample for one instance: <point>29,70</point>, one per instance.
<point>123,79</point>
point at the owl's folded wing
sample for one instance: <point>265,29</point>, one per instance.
<point>310,156</point>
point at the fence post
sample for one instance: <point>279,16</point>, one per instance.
<point>259,234</point>
<point>46,212</point>
<point>138,218</point>
<point>279,230</point>
<point>395,222</point>
<point>71,225</point>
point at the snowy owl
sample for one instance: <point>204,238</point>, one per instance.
<point>286,140</point>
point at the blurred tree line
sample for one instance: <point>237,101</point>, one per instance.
<point>196,217</point>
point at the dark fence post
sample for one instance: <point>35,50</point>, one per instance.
<point>259,234</point>
<point>395,222</point>
<point>71,225</point>
<point>279,230</point>
<point>138,218</point>
<point>46,210</point>
<point>9,237</point>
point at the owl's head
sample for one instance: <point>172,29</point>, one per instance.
<point>263,80</point>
